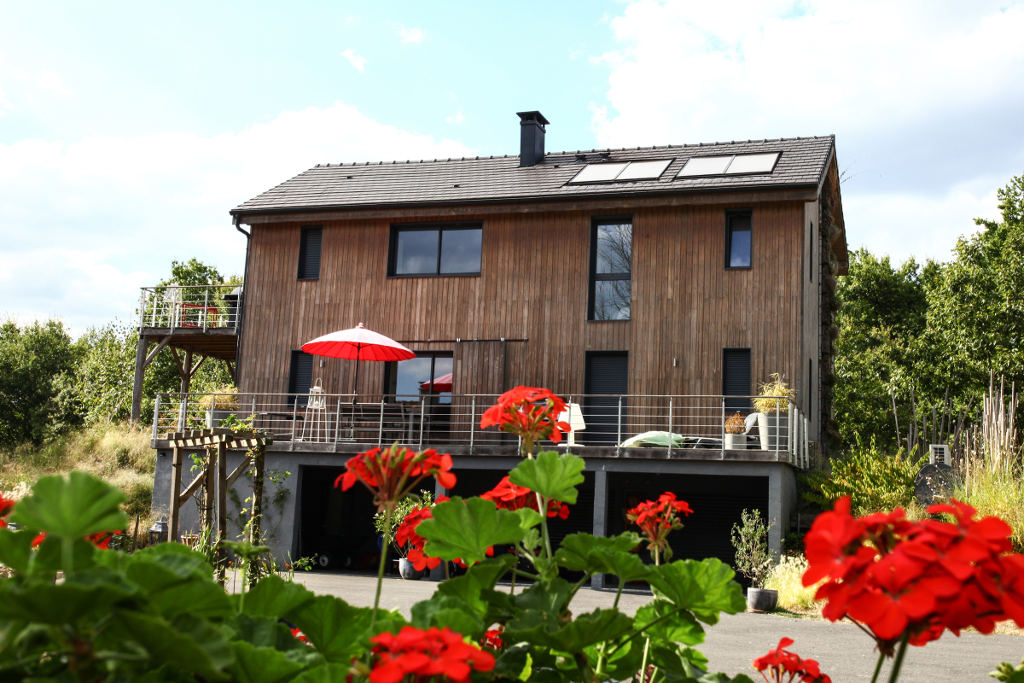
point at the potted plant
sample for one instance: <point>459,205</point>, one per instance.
<point>773,403</point>
<point>735,432</point>
<point>387,531</point>
<point>219,405</point>
<point>753,560</point>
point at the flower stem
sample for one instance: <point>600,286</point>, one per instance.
<point>878,667</point>
<point>898,663</point>
<point>380,568</point>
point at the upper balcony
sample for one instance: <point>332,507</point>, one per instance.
<point>622,426</point>
<point>203,319</point>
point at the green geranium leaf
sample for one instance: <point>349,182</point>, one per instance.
<point>724,678</point>
<point>447,610</point>
<point>625,659</point>
<point>599,555</point>
<point>551,474</point>
<point>50,558</point>
<point>678,662</point>
<point>338,630</point>
<point>670,623</point>
<point>704,587</point>
<point>594,627</point>
<point>71,507</point>
<point>324,673</point>
<point>175,587</point>
<point>62,603</point>
<point>465,529</point>
<point>190,644</point>
<point>476,588</point>
<point>513,663</point>
<point>528,518</point>
<point>275,597</point>
<point>16,549</point>
<point>254,664</point>
<point>541,609</point>
<point>266,632</point>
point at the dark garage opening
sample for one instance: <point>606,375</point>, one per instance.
<point>717,502</point>
<point>336,526</point>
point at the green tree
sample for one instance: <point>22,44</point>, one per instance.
<point>34,360</point>
<point>976,305</point>
<point>881,319</point>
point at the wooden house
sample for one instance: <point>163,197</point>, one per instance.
<point>655,287</point>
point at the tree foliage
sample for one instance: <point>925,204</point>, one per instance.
<point>35,363</point>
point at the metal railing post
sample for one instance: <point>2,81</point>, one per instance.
<point>423,407</point>
<point>670,432</point>
<point>182,407</point>
<point>472,420</point>
<point>721,429</point>
<point>618,432</point>
<point>252,411</point>
<point>156,415</point>
<point>778,423</point>
<point>295,414</point>
<point>206,307</point>
<point>156,304</point>
<point>337,422</point>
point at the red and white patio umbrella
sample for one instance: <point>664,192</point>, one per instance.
<point>358,343</point>
<point>440,385</point>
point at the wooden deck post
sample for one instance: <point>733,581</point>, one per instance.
<point>222,508</point>
<point>173,518</point>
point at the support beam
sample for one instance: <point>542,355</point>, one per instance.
<point>140,374</point>
<point>173,518</point>
<point>600,515</point>
<point>222,509</point>
<point>192,372</point>
<point>186,372</point>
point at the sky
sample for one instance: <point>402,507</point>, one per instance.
<point>129,130</point>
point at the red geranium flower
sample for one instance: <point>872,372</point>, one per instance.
<point>529,412</point>
<point>406,535</point>
<point>509,496</point>
<point>779,662</point>
<point>299,635</point>
<point>101,539</point>
<point>6,505</point>
<point>492,638</point>
<point>424,654</point>
<point>656,518</point>
<point>899,577</point>
<point>393,472</point>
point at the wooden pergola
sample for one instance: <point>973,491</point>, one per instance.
<point>217,443</point>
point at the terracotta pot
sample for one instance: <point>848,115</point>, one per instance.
<point>762,599</point>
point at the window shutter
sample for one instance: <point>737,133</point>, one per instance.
<point>300,378</point>
<point>309,253</point>
<point>736,377</point>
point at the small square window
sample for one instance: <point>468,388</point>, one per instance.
<point>738,235</point>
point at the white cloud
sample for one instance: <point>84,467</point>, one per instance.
<point>121,208</point>
<point>411,35</point>
<point>21,87</point>
<point>357,61</point>
<point>921,95</point>
<point>456,118</point>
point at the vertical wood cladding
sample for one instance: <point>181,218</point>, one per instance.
<point>534,285</point>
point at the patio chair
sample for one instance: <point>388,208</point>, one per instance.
<point>314,419</point>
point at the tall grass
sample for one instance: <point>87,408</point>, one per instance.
<point>116,452</point>
<point>786,579</point>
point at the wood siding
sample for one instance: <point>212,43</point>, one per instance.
<point>532,292</point>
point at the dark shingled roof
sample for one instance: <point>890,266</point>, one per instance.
<point>803,162</point>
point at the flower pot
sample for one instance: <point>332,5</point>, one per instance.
<point>407,571</point>
<point>762,599</point>
<point>735,442</point>
<point>769,429</point>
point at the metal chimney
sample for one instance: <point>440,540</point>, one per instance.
<point>531,137</point>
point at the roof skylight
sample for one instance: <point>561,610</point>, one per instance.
<point>621,171</point>
<point>732,164</point>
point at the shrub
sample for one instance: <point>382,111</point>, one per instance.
<point>773,394</point>
<point>999,493</point>
<point>873,480</point>
<point>750,539</point>
<point>786,578</point>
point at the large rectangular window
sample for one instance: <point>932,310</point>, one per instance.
<point>428,374</point>
<point>309,252</point>
<point>435,250</point>
<point>611,266</point>
<point>737,239</point>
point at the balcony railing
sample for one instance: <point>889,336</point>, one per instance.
<point>673,423</point>
<point>193,307</point>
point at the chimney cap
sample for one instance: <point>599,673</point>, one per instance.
<point>532,117</point>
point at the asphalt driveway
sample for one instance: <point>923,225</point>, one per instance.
<point>845,653</point>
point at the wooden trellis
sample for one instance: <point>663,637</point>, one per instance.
<point>217,442</point>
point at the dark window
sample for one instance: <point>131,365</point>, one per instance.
<point>737,239</point>
<point>309,253</point>
<point>435,251</point>
<point>611,259</point>
<point>607,372</point>
<point>736,378</point>
<point>300,377</point>
<point>428,374</point>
